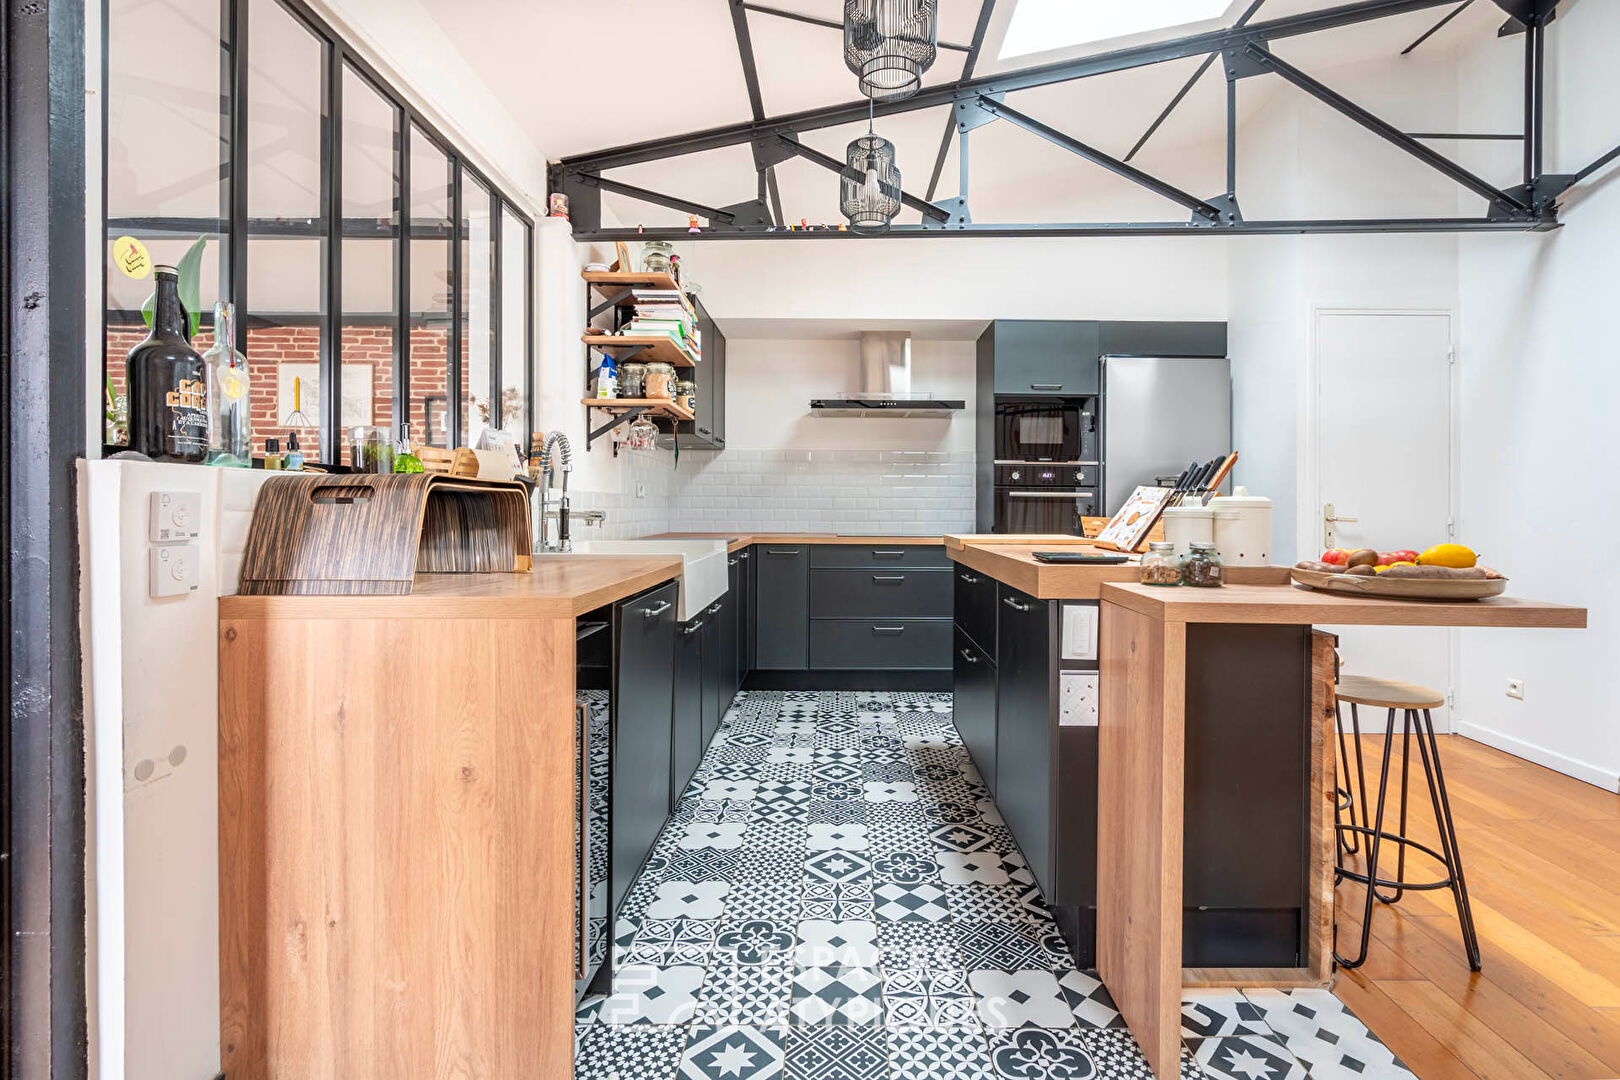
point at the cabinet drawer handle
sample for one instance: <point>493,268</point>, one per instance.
<point>715,610</point>
<point>888,577</point>
<point>970,579</point>
<point>888,554</point>
<point>584,899</point>
<point>1014,604</point>
<point>1046,386</point>
<point>692,628</point>
<point>743,555</point>
<point>967,654</point>
<point>888,629</point>
<point>659,609</point>
<point>777,551</point>
<point>731,562</point>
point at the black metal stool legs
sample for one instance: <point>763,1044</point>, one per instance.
<point>1422,724</point>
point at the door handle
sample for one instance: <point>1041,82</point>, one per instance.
<point>659,609</point>
<point>742,555</point>
<point>969,578</point>
<point>715,610</point>
<point>967,654</point>
<point>1046,386</point>
<point>731,562</point>
<point>888,577</point>
<point>693,628</point>
<point>584,897</point>
<point>1330,535</point>
<point>1014,604</point>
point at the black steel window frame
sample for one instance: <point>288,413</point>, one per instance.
<point>234,227</point>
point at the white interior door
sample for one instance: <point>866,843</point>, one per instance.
<point>1385,423</point>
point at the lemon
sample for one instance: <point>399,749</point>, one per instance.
<point>1453,555</point>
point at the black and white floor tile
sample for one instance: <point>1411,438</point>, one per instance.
<point>839,899</point>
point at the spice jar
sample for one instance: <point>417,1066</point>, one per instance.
<point>1202,567</point>
<point>1160,565</point>
<point>686,395</point>
<point>632,379</point>
<point>655,255</point>
<point>659,381</point>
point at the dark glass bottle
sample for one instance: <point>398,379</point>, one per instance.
<point>168,383</point>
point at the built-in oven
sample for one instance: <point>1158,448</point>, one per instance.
<point>1031,429</point>
<point>1045,498</point>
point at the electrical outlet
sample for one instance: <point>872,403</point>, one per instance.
<point>1515,689</point>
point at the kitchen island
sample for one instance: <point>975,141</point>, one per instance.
<point>1206,775</point>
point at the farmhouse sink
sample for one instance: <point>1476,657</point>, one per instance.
<point>704,577</point>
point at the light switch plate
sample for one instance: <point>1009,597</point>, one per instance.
<point>1077,699</point>
<point>173,570</point>
<point>175,516</point>
<point>1079,631</point>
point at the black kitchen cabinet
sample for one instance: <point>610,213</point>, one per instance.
<point>736,622</point>
<point>643,728</point>
<point>782,607</point>
<point>745,613</point>
<point>715,695</point>
<point>880,645</point>
<point>880,594</point>
<point>975,607</point>
<point>708,430</point>
<point>1026,689</point>
<point>974,687</point>
<point>688,708</point>
<point>1042,356</point>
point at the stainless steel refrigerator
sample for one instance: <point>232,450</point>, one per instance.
<point>1160,414</point>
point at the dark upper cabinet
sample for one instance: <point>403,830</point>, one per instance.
<point>782,607</point>
<point>974,687</point>
<point>688,708</point>
<point>1162,339</point>
<point>708,431</point>
<point>1043,356</point>
<point>643,729</point>
<point>1025,691</point>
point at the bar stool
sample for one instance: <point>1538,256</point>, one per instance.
<point>1415,702</point>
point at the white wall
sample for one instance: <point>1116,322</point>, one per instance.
<point>1539,384</point>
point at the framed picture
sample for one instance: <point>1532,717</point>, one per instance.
<point>436,416</point>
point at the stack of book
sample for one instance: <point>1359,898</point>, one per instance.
<point>665,313</point>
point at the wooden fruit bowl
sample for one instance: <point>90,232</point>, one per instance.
<point>1400,588</point>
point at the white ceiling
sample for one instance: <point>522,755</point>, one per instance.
<point>584,75</point>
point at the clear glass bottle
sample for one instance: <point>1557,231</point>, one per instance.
<point>1201,567</point>
<point>405,459</point>
<point>1160,565</point>
<point>168,383</point>
<point>228,416</point>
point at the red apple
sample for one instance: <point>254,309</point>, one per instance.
<point>1337,556</point>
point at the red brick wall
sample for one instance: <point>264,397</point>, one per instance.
<point>269,347</point>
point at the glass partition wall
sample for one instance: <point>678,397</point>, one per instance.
<point>379,278</point>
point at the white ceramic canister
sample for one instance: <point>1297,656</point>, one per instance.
<point>1188,523</point>
<point>1242,528</point>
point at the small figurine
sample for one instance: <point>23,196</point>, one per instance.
<point>691,223</point>
<point>640,229</point>
<point>804,224</point>
<point>842,227</point>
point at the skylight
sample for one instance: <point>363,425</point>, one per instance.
<point>1044,25</point>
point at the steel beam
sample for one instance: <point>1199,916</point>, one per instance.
<point>674,202</point>
<point>1095,229</point>
<point>1243,20</point>
<point>1339,103</point>
<point>1107,161</point>
<point>1596,165</point>
<point>929,210</point>
<point>1003,82</point>
<point>986,10</point>
<point>1437,27</point>
<point>830,24</point>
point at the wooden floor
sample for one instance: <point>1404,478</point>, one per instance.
<point>1542,856</point>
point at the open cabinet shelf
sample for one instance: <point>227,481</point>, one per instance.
<point>654,406</point>
<point>643,348</point>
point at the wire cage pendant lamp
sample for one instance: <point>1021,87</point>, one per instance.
<point>870,183</point>
<point>888,44</point>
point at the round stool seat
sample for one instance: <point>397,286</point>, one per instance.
<point>1386,693</point>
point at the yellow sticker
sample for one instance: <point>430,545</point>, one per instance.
<point>130,256</point>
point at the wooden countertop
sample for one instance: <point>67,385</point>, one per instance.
<point>1015,564</point>
<point>1299,606</point>
<point>740,539</point>
<point>559,586</point>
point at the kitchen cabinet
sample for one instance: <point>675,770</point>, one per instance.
<point>1042,357</point>
<point>883,594</point>
<point>726,622</point>
<point>782,607</point>
<point>975,607</point>
<point>1025,692</point>
<point>880,644</point>
<point>974,687</point>
<point>715,695</point>
<point>708,430</point>
<point>745,613</point>
<point>687,723</point>
<point>738,618</point>
<point>643,728</point>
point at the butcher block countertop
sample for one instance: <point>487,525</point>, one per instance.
<point>1014,563</point>
<point>559,586</point>
<point>1298,606</point>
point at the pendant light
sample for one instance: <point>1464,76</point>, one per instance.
<point>871,182</point>
<point>888,44</point>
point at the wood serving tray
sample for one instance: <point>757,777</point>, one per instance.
<point>1399,588</point>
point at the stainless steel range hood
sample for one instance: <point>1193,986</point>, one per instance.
<point>886,384</point>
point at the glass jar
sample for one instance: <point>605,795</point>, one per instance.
<point>1201,567</point>
<point>686,394</point>
<point>1160,565</point>
<point>371,449</point>
<point>659,381</point>
<point>655,256</point>
<point>632,379</point>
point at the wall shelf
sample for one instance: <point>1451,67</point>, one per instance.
<point>624,410</point>
<point>653,347</point>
